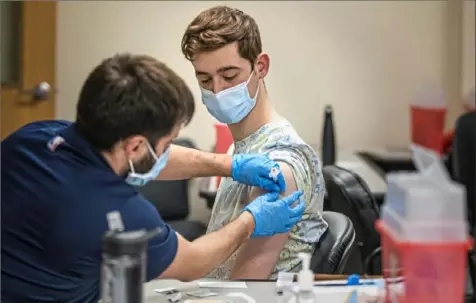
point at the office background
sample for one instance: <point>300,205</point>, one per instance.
<point>365,58</point>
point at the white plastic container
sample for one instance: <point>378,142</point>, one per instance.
<point>425,206</point>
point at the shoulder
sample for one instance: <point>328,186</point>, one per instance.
<point>138,213</point>
<point>287,146</point>
<point>466,122</point>
<point>42,127</point>
<point>298,158</point>
<point>36,130</point>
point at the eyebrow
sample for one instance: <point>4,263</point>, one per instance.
<point>220,70</point>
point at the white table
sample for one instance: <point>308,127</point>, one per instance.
<point>352,162</point>
<point>258,292</point>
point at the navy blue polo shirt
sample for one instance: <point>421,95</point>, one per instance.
<point>56,191</point>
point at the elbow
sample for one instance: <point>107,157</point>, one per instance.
<point>193,273</point>
<point>188,278</point>
<point>198,266</point>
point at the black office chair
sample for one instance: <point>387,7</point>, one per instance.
<point>348,194</point>
<point>205,193</point>
<point>332,251</point>
<point>171,200</point>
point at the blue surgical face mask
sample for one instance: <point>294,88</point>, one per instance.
<point>230,105</point>
<point>137,179</point>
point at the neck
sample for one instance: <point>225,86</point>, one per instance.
<point>114,162</point>
<point>263,113</point>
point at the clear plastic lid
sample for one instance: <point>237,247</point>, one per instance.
<point>426,205</point>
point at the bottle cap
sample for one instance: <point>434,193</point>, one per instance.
<point>127,243</point>
<point>305,276</point>
<point>353,280</point>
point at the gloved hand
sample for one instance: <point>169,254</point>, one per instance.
<point>273,216</point>
<point>255,170</point>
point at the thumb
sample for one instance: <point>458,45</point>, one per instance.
<point>289,200</point>
<point>298,210</point>
<point>271,196</point>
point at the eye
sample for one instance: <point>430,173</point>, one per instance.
<point>229,78</point>
<point>205,81</point>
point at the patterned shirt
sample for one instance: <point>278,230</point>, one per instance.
<point>281,143</point>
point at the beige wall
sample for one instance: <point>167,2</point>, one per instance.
<point>365,58</point>
<point>468,45</point>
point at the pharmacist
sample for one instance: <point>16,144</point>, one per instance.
<point>61,181</point>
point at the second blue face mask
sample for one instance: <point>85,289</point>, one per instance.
<point>137,179</point>
<point>230,105</point>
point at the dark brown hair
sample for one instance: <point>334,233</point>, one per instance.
<point>219,26</point>
<point>127,95</point>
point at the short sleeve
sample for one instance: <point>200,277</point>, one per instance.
<point>139,213</point>
<point>307,174</point>
<point>300,160</point>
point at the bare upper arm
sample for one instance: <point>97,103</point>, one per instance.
<point>257,257</point>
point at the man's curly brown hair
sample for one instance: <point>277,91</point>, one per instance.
<point>219,26</point>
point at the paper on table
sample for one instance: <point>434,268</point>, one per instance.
<point>245,297</point>
<point>220,284</point>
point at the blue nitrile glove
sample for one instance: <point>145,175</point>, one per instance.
<point>255,170</point>
<point>274,216</point>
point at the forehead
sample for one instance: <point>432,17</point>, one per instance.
<point>211,62</point>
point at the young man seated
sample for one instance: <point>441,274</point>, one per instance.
<point>224,47</point>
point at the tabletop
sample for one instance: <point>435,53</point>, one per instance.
<point>255,292</point>
<point>376,183</point>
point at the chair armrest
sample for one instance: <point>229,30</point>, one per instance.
<point>207,190</point>
<point>368,260</point>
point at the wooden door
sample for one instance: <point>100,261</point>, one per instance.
<point>28,50</point>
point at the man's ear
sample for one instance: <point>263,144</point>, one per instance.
<point>262,65</point>
<point>134,146</point>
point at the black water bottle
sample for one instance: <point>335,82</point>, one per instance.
<point>123,270</point>
<point>328,138</point>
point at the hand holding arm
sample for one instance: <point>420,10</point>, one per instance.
<point>264,216</point>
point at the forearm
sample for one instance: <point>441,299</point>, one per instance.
<point>257,257</point>
<point>215,248</point>
<point>186,163</point>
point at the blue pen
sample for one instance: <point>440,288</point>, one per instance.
<point>366,283</point>
<point>352,280</point>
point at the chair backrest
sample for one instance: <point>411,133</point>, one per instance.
<point>169,197</point>
<point>464,161</point>
<point>332,251</point>
<point>348,194</point>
